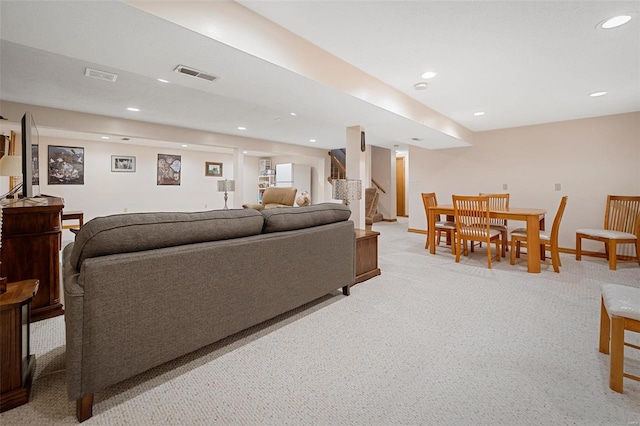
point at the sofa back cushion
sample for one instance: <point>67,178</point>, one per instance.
<point>125,233</point>
<point>291,218</point>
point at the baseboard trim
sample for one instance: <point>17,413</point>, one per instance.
<point>418,231</point>
<point>390,220</point>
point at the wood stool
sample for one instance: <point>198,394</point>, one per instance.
<point>620,311</point>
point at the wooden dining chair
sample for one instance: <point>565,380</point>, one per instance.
<point>472,224</point>
<point>441,227</point>
<point>621,226</point>
<point>499,202</point>
<point>550,240</point>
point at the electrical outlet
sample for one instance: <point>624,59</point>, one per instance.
<point>558,187</point>
<point>206,206</point>
<point>125,210</point>
<point>505,186</point>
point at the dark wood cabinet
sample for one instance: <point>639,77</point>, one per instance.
<point>366,255</point>
<point>17,364</point>
<point>31,242</point>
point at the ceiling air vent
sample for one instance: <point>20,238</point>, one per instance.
<point>195,73</point>
<point>101,75</point>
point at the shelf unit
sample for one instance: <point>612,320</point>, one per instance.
<point>264,182</point>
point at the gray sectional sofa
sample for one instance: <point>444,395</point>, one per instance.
<point>142,289</point>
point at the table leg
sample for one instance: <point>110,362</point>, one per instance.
<point>432,233</point>
<point>533,244</point>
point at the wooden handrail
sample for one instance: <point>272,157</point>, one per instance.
<point>339,167</point>
<point>378,186</point>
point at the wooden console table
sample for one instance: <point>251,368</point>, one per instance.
<point>31,242</point>
<point>16,362</point>
<point>366,255</point>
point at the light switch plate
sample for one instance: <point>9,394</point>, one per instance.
<point>558,187</point>
<point>505,186</point>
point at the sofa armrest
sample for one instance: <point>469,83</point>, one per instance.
<point>253,206</point>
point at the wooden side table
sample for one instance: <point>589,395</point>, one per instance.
<point>366,255</point>
<point>16,362</point>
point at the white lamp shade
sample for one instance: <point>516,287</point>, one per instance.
<point>347,189</point>
<point>226,185</point>
<point>11,165</point>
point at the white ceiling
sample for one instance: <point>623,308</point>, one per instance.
<point>522,62</point>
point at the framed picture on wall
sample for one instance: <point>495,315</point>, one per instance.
<point>212,169</point>
<point>169,169</point>
<point>122,163</point>
<point>66,165</point>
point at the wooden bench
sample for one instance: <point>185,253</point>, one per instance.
<point>73,215</point>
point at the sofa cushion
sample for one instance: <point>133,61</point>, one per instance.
<point>125,233</point>
<point>291,218</point>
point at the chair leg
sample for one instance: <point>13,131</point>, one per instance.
<point>503,235</point>
<point>453,241</point>
<point>458,248</point>
<point>512,255</point>
<point>612,254</point>
<point>617,354</point>
<point>578,247</point>
<point>605,328</point>
<point>555,259</point>
<point>638,250</point>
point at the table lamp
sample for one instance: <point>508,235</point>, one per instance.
<point>11,165</point>
<point>347,189</point>
<point>226,186</point>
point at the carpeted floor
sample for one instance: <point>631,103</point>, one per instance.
<point>429,342</point>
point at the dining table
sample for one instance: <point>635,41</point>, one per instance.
<point>534,219</point>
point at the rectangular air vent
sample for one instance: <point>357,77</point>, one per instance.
<point>101,75</point>
<point>195,73</point>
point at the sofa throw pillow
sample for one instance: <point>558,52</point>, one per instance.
<point>291,218</point>
<point>126,233</point>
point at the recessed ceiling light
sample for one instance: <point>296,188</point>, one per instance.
<point>312,140</point>
<point>133,109</point>
<point>293,113</point>
<point>417,139</point>
<point>420,85</point>
<point>479,113</point>
<point>615,21</point>
<point>245,152</point>
<point>162,80</point>
<point>597,94</point>
<point>185,145</point>
<point>104,137</point>
<point>429,74</point>
<point>242,128</point>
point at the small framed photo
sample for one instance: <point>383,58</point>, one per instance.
<point>212,169</point>
<point>121,163</point>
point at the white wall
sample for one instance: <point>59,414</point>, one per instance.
<point>590,158</point>
<point>105,192</point>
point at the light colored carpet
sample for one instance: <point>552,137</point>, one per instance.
<point>429,342</point>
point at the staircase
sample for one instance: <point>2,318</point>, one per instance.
<point>339,171</point>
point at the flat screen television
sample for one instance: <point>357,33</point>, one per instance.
<point>30,173</point>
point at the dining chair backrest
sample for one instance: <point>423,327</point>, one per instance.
<point>555,229</point>
<point>429,200</point>
<point>472,214</point>
<point>623,214</point>
<point>498,202</point>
